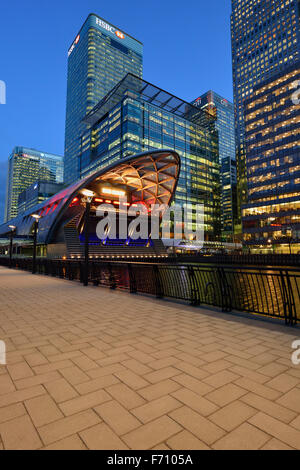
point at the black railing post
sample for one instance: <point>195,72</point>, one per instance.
<point>81,272</point>
<point>158,284</point>
<point>86,242</point>
<point>288,299</point>
<point>195,299</point>
<point>11,240</point>
<point>35,229</point>
<point>224,291</point>
<point>132,280</point>
<point>112,279</point>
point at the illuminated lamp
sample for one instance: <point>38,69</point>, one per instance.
<point>113,192</point>
<point>87,193</point>
<point>36,216</point>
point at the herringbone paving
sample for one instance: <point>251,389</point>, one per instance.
<point>91,368</point>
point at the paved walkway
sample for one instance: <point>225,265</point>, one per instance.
<point>91,368</point>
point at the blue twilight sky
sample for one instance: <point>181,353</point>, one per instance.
<point>187,51</point>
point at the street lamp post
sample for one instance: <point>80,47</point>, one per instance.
<point>87,199</point>
<point>11,238</point>
<point>35,231</point>
<point>290,238</point>
<point>271,244</point>
<point>290,244</point>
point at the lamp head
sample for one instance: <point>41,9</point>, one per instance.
<point>88,195</point>
<point>36,216</point>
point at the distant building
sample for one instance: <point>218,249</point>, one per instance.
<point>26,166</point>
<point>265,41</point>
<point>138,116</point>
<point>36,193</point>
<point>99,57</point>
<point>223,110</point>
<point>271,219</point>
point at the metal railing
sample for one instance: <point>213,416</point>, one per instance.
<point>271,292</point>
<point>270,259</point>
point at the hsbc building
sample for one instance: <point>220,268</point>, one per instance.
<point>99,56</point>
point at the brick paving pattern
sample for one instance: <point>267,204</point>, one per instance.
<point>90,368</point>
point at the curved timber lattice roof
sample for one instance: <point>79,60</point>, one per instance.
<point>152,177</point>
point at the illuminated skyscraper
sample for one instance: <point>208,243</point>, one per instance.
<point>223,111</point>
<point>265,41</point>
<point>99,57</point>
<point>138,116</point>
<point>271,218</point>
<point>25,167</point>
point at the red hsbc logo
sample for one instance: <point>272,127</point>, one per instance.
<point>74,45</point>
<point>120,35</point>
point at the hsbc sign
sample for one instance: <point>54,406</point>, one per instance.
<point>74,45</point>
<point>109,28</point>
<point>103,25</point>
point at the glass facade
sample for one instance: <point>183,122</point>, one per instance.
<point>265,40</point>
<point>223,110</point>
<point>38,192</point>
<point>100,56</point>
<point>26,166</point>
<point>137,116</point>
<point>271,219</point>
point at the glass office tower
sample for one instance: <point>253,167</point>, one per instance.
<point>100,56</point>
<point>265,40</point>
<point>223,110</point>
<point>137,116</point>
<point>271,219</point>
<point>26,166</point>
<point>38,192</point>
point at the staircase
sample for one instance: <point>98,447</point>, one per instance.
<point>113,248</point>
<point>74,247</point>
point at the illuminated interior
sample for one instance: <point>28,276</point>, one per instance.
<point>271,219</point>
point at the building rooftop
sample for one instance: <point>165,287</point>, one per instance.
<point>108,22</point>
<point>150,93</point>
<point>31,151</point>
